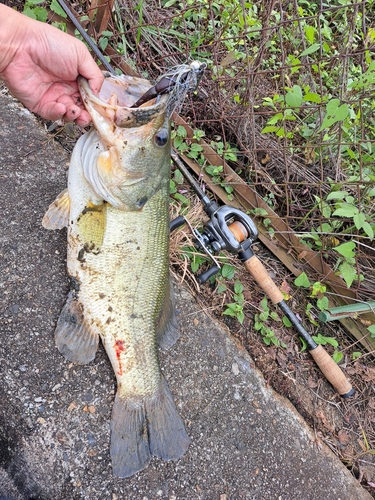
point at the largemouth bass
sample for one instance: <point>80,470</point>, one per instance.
<point>116,211</point>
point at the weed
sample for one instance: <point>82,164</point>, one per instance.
<point>261,324</point>
<point>235,308</point>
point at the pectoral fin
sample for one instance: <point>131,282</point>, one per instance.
<point>167,326</point>
<point>57,215</point>
<point>73,338</point>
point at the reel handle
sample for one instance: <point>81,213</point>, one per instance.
<point>202,278</point>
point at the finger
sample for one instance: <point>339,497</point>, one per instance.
<point>90,70</point>
<point>84,119</point>
<point>96,84</point>
<point>72,113</point>
<point>51,110</point>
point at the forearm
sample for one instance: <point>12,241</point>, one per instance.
<point>12,26</point>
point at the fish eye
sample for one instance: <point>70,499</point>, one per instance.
<point>161,137</point>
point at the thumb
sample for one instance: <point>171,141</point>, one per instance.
<point>90,70</point>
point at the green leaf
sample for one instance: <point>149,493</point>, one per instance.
<point>29,12</point>
<point>55,7</point>
<point>275,341</point>
<point>270,128</point>
<point>346,249</point>
<point>359,219</point>
<point>181,198</point>
<point>258,326</point>
<point>346,210</point>
<point>365,80</point>
<point>221,288</point>
<point>227,271</point>
<point>103,42</point>
<point>310,50</point>
<point>310,33</point>
<point>293,97</point>
<point>368,229</point>
<point>337,356</point>
<point>322,303</point>
<point>348,273</point>
<point>321,340</point>
<point>181,131</point>
<point>302,280</point>
<point>337,195</point>
<point>334,113</point>
<point>229,312</point>
<point>238,288</point>
<point>287,322</point>
<point>178,177</point>
<point>275,119</point>
<point>371,329</point>
<point>312,97</point>
<point>264,304</point>
<point>238,298</point>
<point>304,344</point>
<point>263,316</point>
<point>275,316</point>
<point>356,355</point>
<point>41,14</point>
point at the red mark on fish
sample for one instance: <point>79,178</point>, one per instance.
<point>119,348</point>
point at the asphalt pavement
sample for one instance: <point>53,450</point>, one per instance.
<point>246,441</point>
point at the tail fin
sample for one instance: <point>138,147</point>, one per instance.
<point>145,427</point>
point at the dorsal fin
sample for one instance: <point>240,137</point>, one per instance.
<point>57,215</point>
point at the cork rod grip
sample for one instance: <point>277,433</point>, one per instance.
<point>261,276</point>
<point>331,371</point>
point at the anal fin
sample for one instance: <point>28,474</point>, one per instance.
<point>73,338</point>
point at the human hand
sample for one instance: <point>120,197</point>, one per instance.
<point>41,65</point>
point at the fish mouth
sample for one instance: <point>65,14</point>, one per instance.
<point>117,95</point>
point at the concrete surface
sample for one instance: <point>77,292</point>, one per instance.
<point>247,443</point>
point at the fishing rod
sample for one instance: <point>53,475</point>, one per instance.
<point>232,230</point>
<point>86,37</point>
<point>228,229</point>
